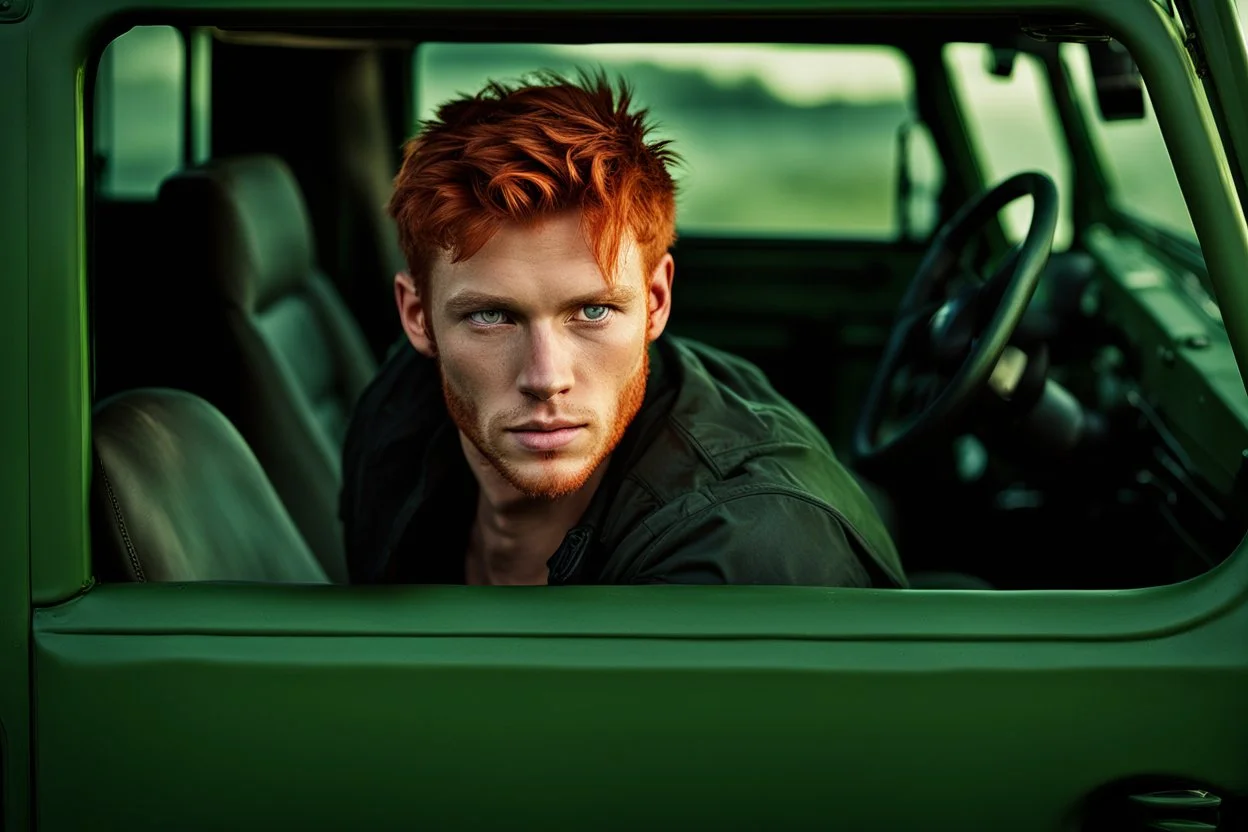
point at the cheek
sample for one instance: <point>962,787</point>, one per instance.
<point>472,370</point>
<point>612,361</point>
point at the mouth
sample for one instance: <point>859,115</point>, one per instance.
<point>546,436</point>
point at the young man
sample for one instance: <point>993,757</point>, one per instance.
<point>533,427</point>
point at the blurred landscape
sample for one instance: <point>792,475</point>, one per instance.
<point>752,162</point>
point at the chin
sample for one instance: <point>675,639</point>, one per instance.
<point>549,478</point>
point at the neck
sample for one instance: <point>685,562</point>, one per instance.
<point>513,536</point>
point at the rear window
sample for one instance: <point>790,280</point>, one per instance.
<point>798,141</point>
<point>139,125</point>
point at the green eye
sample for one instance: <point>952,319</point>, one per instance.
<point>595,313</point>
<point>487,317</point>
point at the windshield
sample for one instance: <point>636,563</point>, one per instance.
<point>1133,154</point>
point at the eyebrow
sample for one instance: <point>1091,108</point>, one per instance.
<point>470,301</point>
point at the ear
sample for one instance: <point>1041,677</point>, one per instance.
<point>413,316</point>
<point>659,296</point>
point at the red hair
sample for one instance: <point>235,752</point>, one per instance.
<point>516,153</point>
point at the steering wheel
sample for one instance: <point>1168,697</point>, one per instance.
<point>958,337</point>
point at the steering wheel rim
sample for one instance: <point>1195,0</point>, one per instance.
<point>1016,282</point>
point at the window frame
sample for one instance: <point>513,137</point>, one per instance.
<point>101,40</point>
<point>61,411</point>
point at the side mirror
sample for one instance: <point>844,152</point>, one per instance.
<point>1119,88</point>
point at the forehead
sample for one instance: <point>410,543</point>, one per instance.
<point>547,258</point>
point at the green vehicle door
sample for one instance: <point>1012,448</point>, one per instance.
<point>210,706</point>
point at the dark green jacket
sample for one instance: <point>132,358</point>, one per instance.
<point>718,480</point>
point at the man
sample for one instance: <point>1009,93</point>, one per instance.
<point>534,427</point>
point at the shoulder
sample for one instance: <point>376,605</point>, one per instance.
<point>403,384</point>
<point>736,484</point>
<point>386,412</point>
<point>725,427</point>
<point>391,425</point>
<point>729,411</point>
<point>757,534</point>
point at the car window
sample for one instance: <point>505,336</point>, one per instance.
<point>1133,154</point>
<point>138,112</point>
<point>1014,126</point>
<point>776,140</point>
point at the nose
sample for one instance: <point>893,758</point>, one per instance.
<point>548,365</point>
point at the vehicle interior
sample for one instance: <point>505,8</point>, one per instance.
<point>957,245</point>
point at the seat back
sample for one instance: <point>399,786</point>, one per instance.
<point>285,360</point>
<point>178,496</point>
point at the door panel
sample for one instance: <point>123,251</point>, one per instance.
<point>228,707</point>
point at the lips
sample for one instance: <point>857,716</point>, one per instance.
<point>546,436</point>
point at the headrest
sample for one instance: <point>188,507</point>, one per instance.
<point>240,226</point>
<point>178,496</point>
